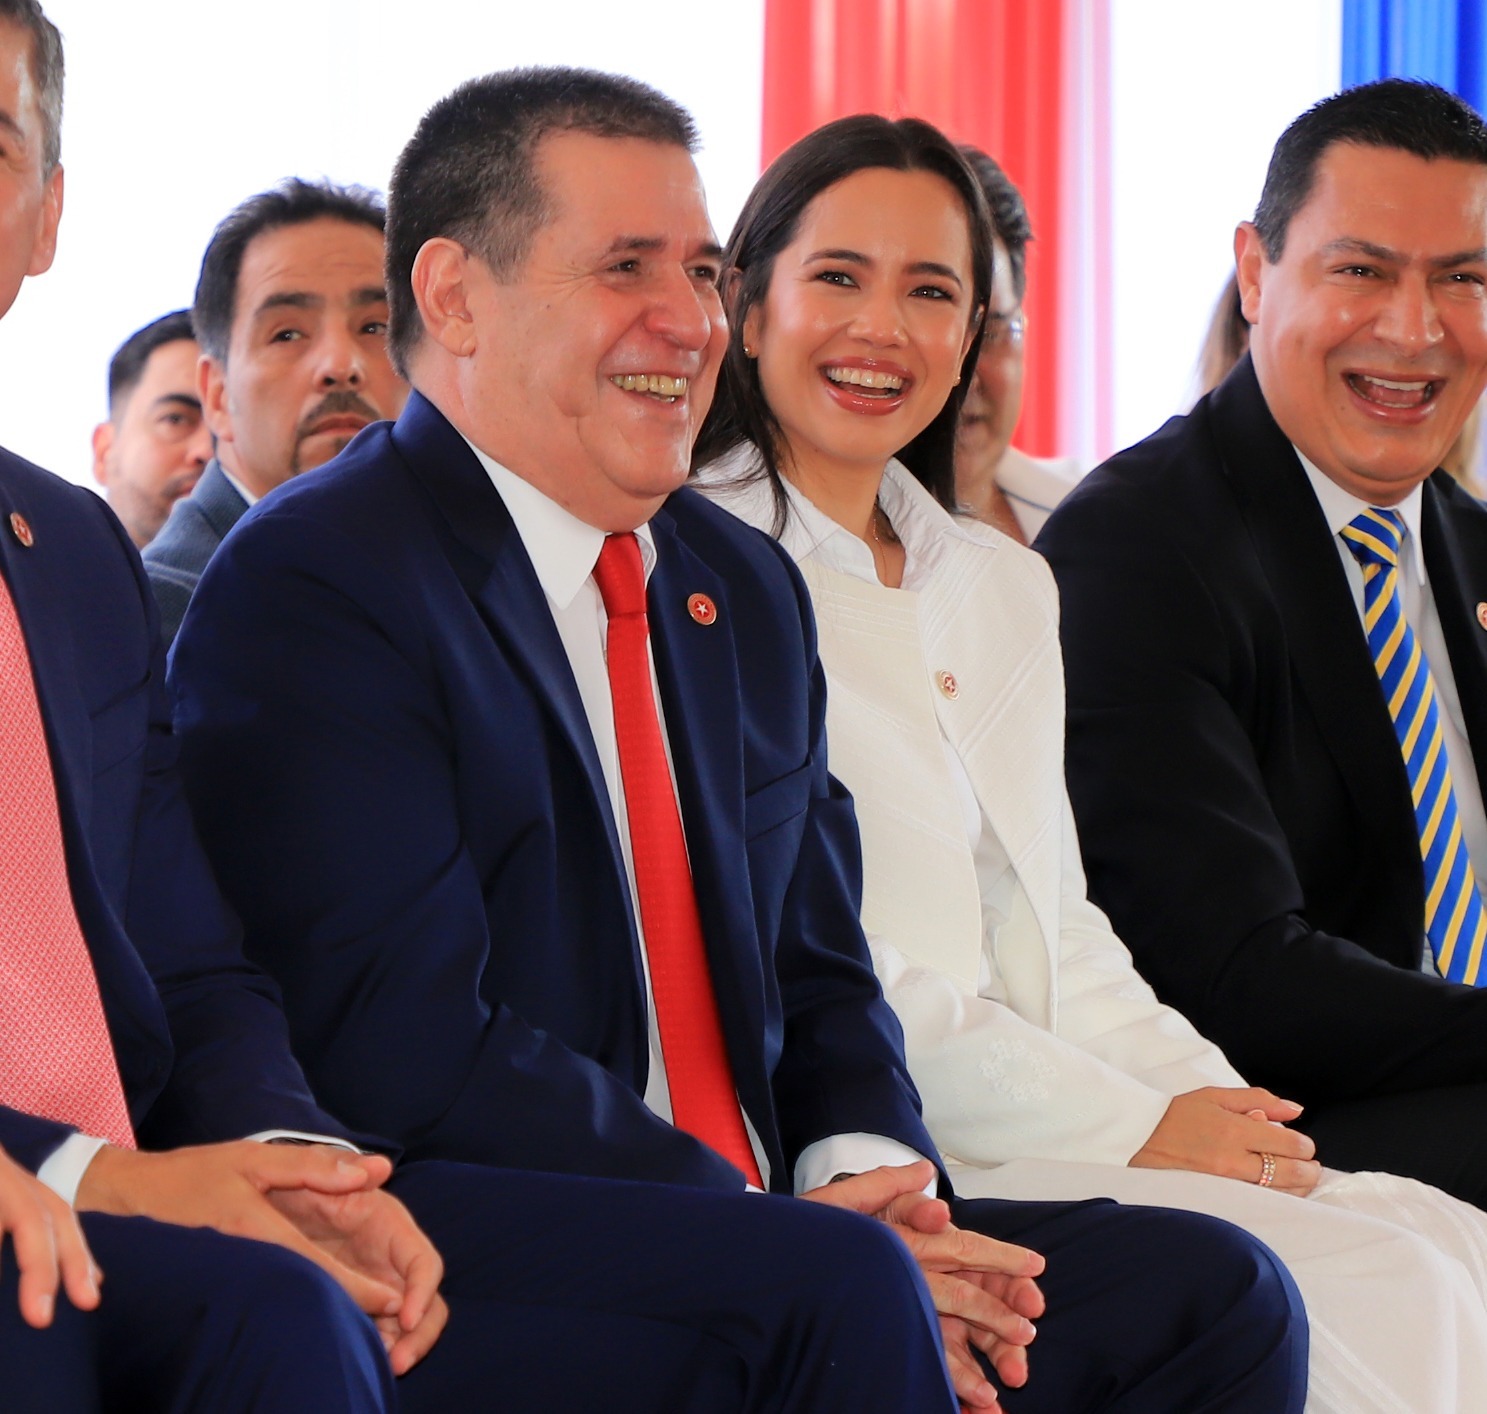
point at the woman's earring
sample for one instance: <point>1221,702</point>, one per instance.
<point>748,352</point>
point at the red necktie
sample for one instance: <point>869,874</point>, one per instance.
<point>703,1099</point>
<point>56,1058</point>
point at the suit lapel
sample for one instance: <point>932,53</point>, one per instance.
<point>1327,649</point>
<point>50,645</point>
<point>1453,530</point>
<point>697,669</point>
<point>488,555</point>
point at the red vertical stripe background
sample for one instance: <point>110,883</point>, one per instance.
<point>989,72</point>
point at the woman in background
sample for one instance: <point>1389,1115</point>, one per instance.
<point>1047,1067</point>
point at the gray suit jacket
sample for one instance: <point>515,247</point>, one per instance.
<point>176,557</point>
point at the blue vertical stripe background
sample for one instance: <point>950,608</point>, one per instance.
<point>1442,40</point>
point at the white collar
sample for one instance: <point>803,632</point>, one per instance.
<point>1340,507</point>
<point>921,523</point>
<point>237,485</point>
<point>563,549</point>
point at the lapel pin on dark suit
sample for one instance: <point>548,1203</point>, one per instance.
<point>20,527</point>
<point>1482,614</point>
<point>704,611</point>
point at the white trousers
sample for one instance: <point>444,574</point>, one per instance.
<point>1393,1272</point>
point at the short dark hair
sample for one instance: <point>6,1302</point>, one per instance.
<point>46,73</point>
<point>1008,212</point>
<point>1420,118</point>
<point>469,171</point>
<point>294,202</point>
<point>127,366</point>
<point>768,223</point>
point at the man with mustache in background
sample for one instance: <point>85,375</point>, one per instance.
<point>291,314</point>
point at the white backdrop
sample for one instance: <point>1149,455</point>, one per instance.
<point>1201,90</point>
<point>177,109</point>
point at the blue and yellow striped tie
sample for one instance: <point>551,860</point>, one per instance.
<point>1455,920</point>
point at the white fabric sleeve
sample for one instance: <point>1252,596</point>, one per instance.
<point>268,1136</point>
<point>1109,1010</point>
<point>996,1087</point>
<point>63,1169</point>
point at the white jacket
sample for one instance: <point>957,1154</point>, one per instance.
<point>1036,1038</point>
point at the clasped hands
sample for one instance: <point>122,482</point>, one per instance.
<point>1225,1131</point>
<point>326,1204</point>
<point>982,1289</point>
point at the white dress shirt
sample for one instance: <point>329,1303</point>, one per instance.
<point>563,551</point>
<point>1418,604</point>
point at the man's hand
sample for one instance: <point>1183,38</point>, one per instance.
<point>372,1233</point>
<point>318,1201</point>
<point>1225,1131</point>
<point>982,1288</point>
<point>48,1244</point>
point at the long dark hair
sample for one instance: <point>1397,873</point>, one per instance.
<point>768,224</point>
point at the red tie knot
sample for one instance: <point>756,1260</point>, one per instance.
<point>621,576</point>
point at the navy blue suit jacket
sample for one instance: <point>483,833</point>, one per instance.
<point>1243,807</point>
<point>200,1039</point>
<point>394,775</point>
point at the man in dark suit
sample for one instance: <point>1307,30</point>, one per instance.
<point>131,1025</point>
<point>546,856</point>
<point>1282,851</point>
<point>153,446</point>
<point>291,313</point>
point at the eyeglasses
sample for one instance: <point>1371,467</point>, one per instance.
<point>1005,331</point>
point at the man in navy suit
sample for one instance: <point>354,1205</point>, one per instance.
<point>291,311</point>
<point>1247,815</point>
<point>418,780</point>
<point>129,1018</point>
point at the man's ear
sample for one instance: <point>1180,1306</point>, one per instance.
<point>44,246</point>
<point>1249,267</point>
<point>442,273</point>
<point>211,384</point>
<point>103,444</point>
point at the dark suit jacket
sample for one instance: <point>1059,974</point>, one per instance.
<point>1242,801</point>
<point>395,777</point>
<point>175,558</point>
<point>200,1040</point>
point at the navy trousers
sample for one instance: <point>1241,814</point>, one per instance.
<point>569,1292</point>
<point>193,1320</point>
<point>1152,1311</point>
<point>564,1293</point>
<point>581,1293</point>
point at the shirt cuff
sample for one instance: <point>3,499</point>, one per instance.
<point>63,1169</point>
<point>298,1136</point>
<point>822,1161</point>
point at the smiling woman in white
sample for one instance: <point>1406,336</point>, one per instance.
<point>1047,1067</point>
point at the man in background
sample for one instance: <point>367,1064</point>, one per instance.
<point>291,312</point>
<point>151,450</point>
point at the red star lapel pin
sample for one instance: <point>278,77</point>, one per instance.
<point>20,527</point>
<point>702,609</point>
